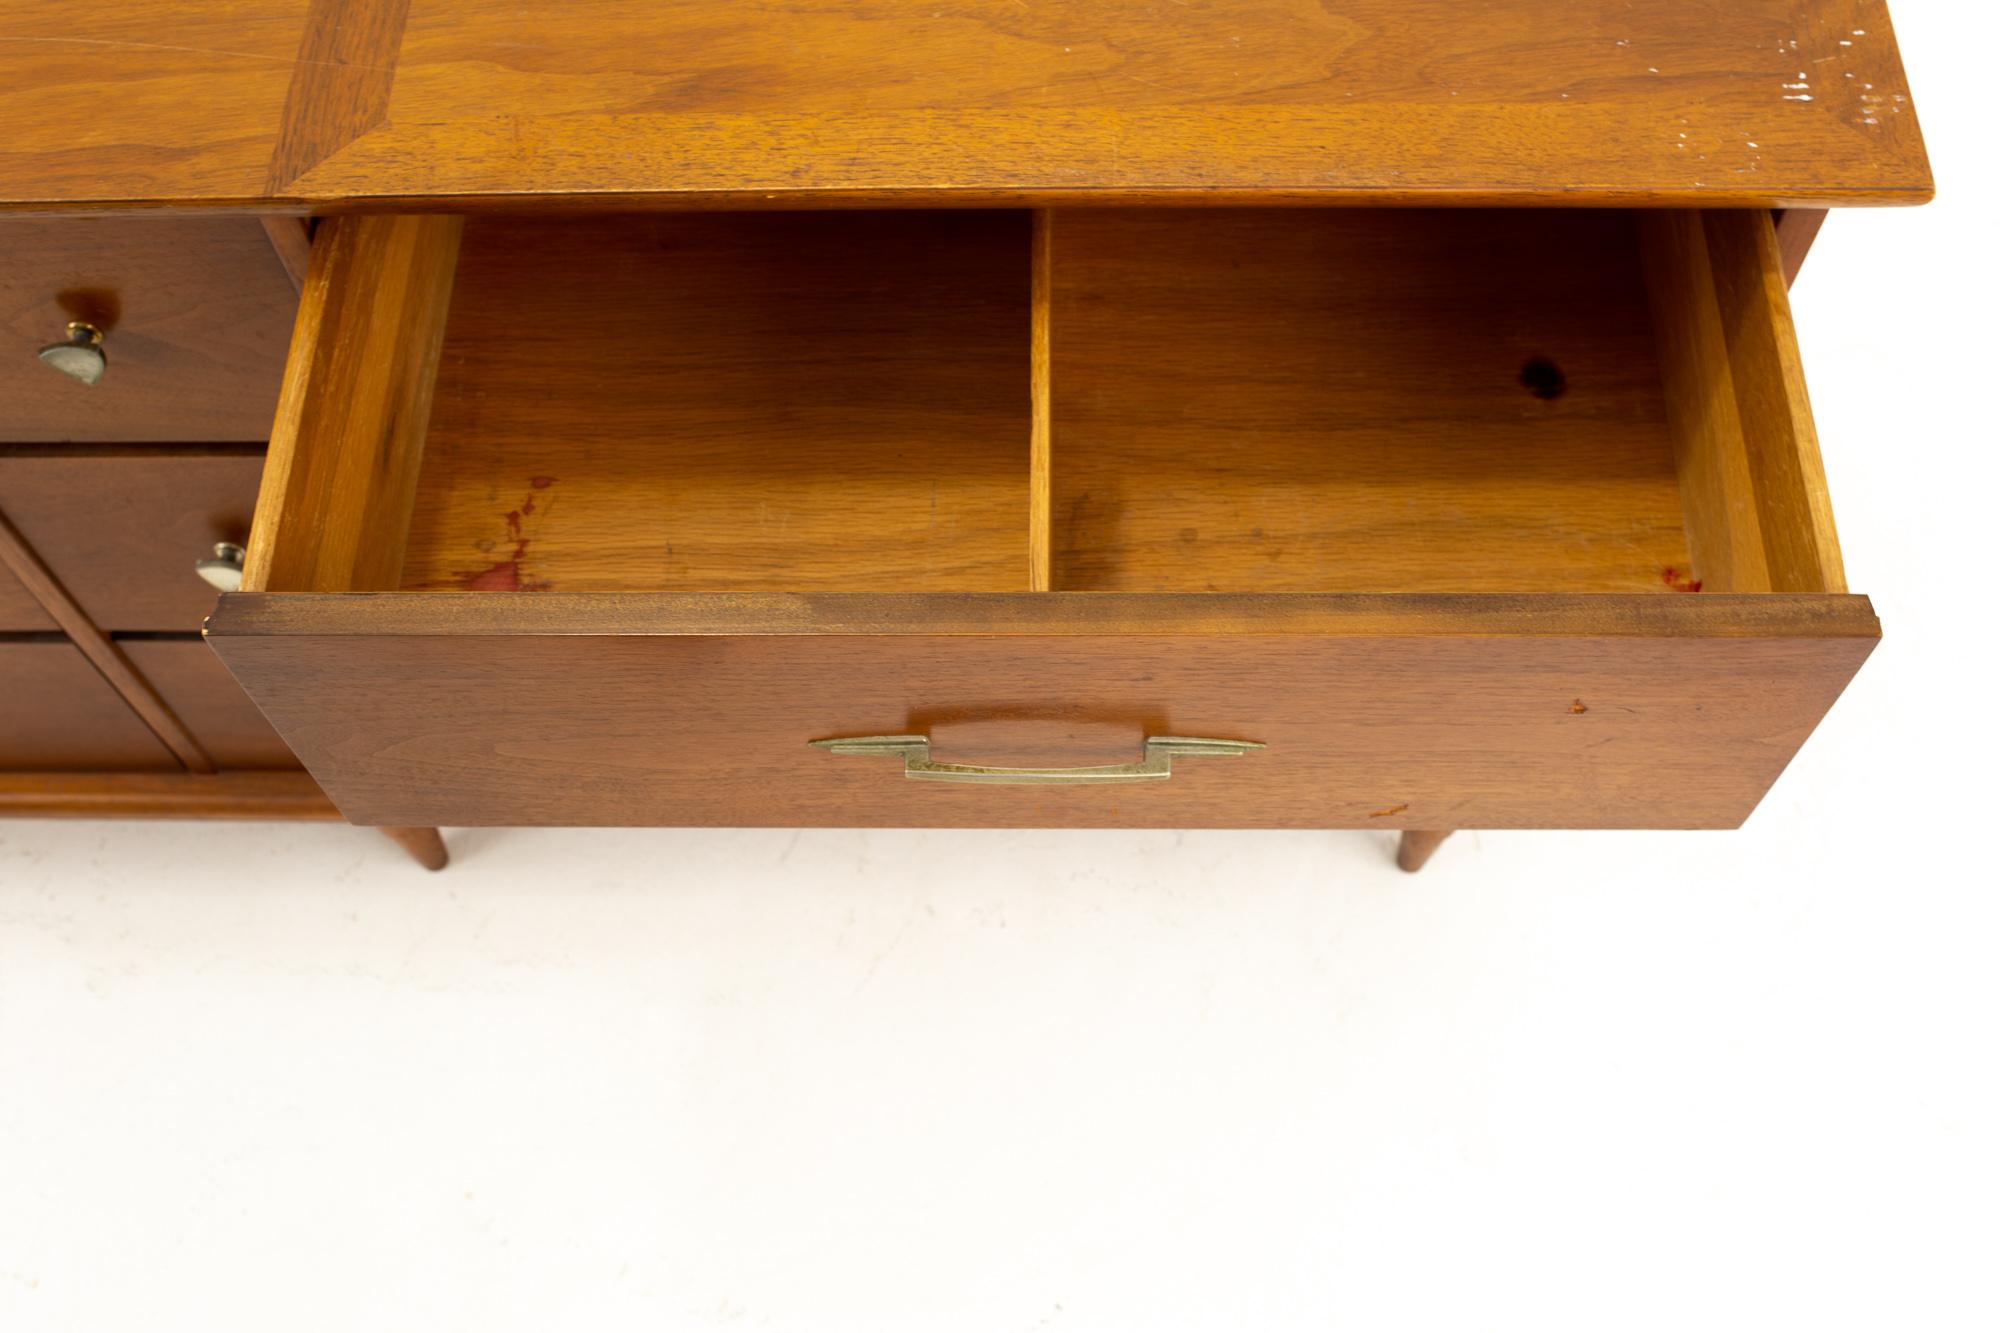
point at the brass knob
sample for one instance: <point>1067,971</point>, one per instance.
<point>223,570</point>
<point>81,355</point>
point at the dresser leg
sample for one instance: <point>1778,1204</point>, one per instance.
<point>425,845</point>
<point>1417,846</point>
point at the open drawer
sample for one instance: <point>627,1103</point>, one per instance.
<point>1467,519</point>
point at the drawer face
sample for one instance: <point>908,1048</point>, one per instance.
<point>195,312</point>
<point>201,693</point>
<point>19,611</point>
<point>122,529</point>
<point>1427,712</point>
<point>56,713</point>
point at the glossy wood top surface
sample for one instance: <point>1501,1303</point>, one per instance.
<point>326,104</point>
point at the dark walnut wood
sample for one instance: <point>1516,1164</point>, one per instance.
<point>355,102</point>
<point>1378,711</point>
<point>19,611</point>
<point>57,713</point>
<point>212,706</point>
<point>121,528</point>
<point>196,314</point>
<point>112,665</point>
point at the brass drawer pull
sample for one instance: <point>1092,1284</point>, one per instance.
<point>1158,763</point>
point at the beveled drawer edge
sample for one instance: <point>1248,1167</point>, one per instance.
<point>1533,615</point>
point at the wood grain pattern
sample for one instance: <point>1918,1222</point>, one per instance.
<point>340,478</point>
<point>1711,453</point>
<point>1588,711</point>
<point>1759,517</point>
<point>57,713</point>
<point>341,77</point>
<point>479,101</point>
<point>703,402</point>
<point>1795,511</point>
<point>121,528</point>
<point>20,612</point>
<point>98,649</point>
<point>1041,406</point>
<point>1279,401</point>
<point>195,313</point>
<point>126,795</point>
<point>208,701</point>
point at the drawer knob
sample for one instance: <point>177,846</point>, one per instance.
<point>79,356</point>
<point>1157,763</point>
<point>222,569</point>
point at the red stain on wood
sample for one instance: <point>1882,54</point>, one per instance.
<point>506,575</point>
<point>1678,581</point>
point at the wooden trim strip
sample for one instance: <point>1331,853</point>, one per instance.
<point>1603,615</point>
<point>1041,403</point>
<point>96,645</point>
<point>277,794</point>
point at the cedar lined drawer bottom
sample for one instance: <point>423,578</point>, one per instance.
<point>1470,519</point>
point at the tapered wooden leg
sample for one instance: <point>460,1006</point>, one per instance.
<point>1417,846</point>
<point>425,845</point>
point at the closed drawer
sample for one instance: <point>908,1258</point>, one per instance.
<point>57,713</point>
<point>200,692</point>
<point>121,529</point>
<point>18,610</point>
<point>195,315</point>
<point>1467,519</point>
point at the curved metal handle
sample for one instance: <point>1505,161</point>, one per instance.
<point>222,569</point>
<point>80,355</point>
<point>1157,764</point>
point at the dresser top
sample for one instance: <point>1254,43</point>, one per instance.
<point>331,104</point>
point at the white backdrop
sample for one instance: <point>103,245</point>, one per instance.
<point>258,1078</point>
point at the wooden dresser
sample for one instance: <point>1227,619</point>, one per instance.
<point>1237,414</point>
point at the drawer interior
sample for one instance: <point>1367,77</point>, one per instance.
<point>1288,400</point>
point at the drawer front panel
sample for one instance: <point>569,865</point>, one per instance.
<point>200,691</point>
<point>56,713</point>
<point>18,610</point>
<point>122,529</point>
<point>1375,711</point>
<point>195,313</point>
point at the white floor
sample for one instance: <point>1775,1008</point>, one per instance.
<point>270,1077</point>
